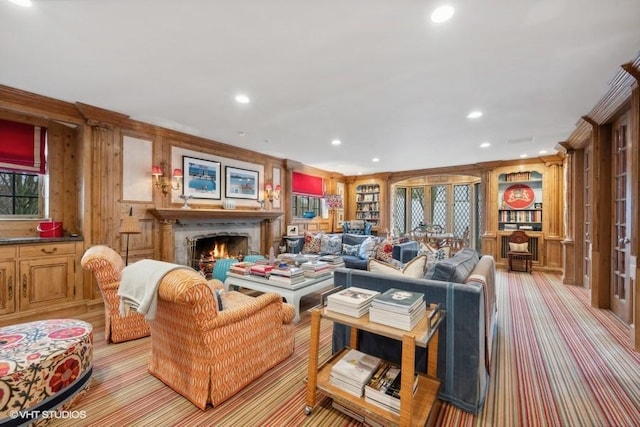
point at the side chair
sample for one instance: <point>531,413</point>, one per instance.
<point>107,265</point>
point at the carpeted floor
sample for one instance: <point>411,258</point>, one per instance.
<point>558,362</point>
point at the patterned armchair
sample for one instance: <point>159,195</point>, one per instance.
<point>357,226</point>
<point>207,355</point>
<point>106,265</point>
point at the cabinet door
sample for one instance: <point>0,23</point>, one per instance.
<point>7,287</point>
<point>46,281</point>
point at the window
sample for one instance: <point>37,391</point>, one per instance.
<point>302,204</point>
<point>20,194</point>
<point>307,194</point>
<point>22,170</point>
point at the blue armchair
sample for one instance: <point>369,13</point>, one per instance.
<point>357,226</point>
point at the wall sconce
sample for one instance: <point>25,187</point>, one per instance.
<point>271,193</point>
<point>162,182</point>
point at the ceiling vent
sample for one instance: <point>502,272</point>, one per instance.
<point>519,141</point>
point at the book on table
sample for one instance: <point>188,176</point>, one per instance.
<point>241,268</point>
<point>398,308</point>
<point>353,371</point>
<point>351,301</point>
<point>291,280</point>
<point>288,272</point>
<point>319,273</point>
<point>315,266</point>
<point>331,259</point>
<point>383,389</point>
<point>261,269</point>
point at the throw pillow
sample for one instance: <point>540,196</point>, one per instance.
<point>413,269</point>
<point>331,244</point>
<point>384,251</point>
<point>368,248</point>
<point>311,244</point>
<point>350,249</point>
<point>519,247</point>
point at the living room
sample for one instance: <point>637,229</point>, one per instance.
<point>100,160</point>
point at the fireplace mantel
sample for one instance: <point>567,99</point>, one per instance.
<point>168,214</point>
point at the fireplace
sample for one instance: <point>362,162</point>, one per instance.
<point>204,251</point>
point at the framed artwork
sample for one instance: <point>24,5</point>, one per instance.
<point>201,178</point>
<point>241,183</point>
<point>518,196</point>
<point>292,230</point>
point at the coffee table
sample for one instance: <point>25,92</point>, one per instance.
<point>291,293</point>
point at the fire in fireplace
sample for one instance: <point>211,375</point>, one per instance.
<point>206,250</point>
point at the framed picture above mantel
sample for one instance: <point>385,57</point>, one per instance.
<point>201,178</point>
<point>241,183</point>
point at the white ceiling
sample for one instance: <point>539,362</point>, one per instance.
<point>376,74</point>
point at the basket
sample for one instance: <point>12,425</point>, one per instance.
<point>50,229</point>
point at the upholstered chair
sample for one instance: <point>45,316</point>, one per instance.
<point>106,265</point>
<point>208,352</point>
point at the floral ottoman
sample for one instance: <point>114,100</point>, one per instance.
<point>45,366</point>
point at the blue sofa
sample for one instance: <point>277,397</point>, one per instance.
<point>464,286</point>
<point>350,261</point>
<point>406,251</point>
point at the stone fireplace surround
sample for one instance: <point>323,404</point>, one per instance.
<point>176,225</point>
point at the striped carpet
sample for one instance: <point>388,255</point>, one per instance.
<point>558,362</point>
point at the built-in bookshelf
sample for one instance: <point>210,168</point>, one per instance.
<point>368,203</point>
<point>520,201</point>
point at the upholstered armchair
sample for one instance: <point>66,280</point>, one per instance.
<point>357,226</point>
<point>207,354</point>
<point>106,265</point>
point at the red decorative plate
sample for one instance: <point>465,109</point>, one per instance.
<point>518,196</point>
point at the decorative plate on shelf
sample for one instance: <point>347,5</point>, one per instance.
<point>518,196</point>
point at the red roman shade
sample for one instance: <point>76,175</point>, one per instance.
<point>307,184</point>
<point>22,147</point>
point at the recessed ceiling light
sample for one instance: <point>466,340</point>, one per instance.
<point>375,159</point>
<point>485,145</point>
<point>241,133</point>
<point>242,99</point>
<point>336,142</point>
<point>523,156</point>
<point>23,3</point>
<point>474,115</point>
<point>542,152</point>
<point>442,14</point>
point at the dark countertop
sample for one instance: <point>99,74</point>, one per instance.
<point>24,240</point>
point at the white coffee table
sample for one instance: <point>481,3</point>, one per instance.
<point>291,293</point>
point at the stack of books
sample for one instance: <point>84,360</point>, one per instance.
<point>398,308</point>
<point>241,268</point>
<point>353,371</point>
<point>334,261</point>
<point>262,270</point>
<point>290,275</point>
<point>384,387</point>
<point>351,301</point>
<point>316,269</point>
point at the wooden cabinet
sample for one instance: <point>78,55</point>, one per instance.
<point>37,277</point>
<point>368,203</point>
<point>414,408</point>
<point>520,201</point>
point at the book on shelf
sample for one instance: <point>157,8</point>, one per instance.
<point>384,387</point>
<point>351,301</point>
<point>353,371</point>
<point>241,268</point>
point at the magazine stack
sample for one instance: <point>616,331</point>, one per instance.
<point>290,275</point>
<point>262,270</point>
<point>351,301</point>
<point>316,269</point>
<point>334,261</point>
<point>398,308</point>
<point>353,371</point>
<point>384,387</point>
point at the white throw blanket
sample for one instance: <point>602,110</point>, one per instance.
<point>139,283</point>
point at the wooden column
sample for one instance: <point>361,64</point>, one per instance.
<point>571,264</point>
<point>167,241</point>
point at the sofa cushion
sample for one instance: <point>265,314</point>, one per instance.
<point>414,268</point>
<point>368,248</point>
<point>311,243</point>
<point>352,250</point>
<point>455,269</point>
<point>331,244</point>
<point>353,239</point>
